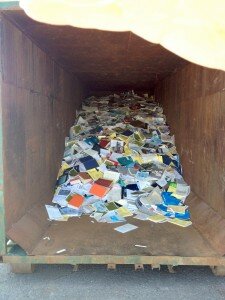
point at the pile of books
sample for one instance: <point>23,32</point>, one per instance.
<point>120,161</point>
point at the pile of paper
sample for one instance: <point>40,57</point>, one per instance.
<point>121,161</point>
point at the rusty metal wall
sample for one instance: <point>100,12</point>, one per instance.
<point>39,102</point>
<point>103,60</point>
<point>194,103</point>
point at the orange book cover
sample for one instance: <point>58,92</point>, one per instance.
<point>98,190</point>
<point>76,201</point>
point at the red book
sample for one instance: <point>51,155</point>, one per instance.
<point>104,182</point>
<point>85,177</point>
<point>103,143</point>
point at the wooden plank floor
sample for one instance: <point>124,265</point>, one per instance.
<point>82,237</point>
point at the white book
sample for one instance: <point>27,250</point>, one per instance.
<point>125,228</point>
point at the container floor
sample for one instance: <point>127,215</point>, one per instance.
<point>82,237</point>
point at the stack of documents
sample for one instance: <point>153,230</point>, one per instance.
<point>121,161</point>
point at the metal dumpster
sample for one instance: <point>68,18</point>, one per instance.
<point>46,71</point>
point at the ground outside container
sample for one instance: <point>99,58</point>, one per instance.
<point>46,71</point>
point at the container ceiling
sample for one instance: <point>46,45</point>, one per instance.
<point>103,60</point>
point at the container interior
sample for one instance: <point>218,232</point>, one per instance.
<point>46,71</point>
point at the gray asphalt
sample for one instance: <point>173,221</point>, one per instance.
<point>95,282</point>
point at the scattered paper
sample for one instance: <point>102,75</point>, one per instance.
<point>178,208</point>
<point>179,222</point>
<point>112,217</point>
<point>124,212</point>
<point>53,213</point>
<point>140,246</point>
<point>141,216</point>
<point>157,218</point>
<point>125,228</point>
<point>60,251</point>
<point>114,176</point>
<point>97,216</point>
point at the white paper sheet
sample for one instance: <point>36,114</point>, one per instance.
<point>125,228</point>
<point>53,213</point>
